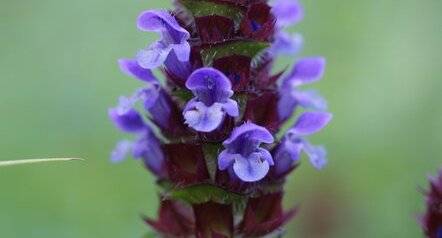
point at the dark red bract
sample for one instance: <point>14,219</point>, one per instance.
<point>432,219</point>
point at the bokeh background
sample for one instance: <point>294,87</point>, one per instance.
<point>58,76</point>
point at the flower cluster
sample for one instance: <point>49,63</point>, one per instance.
<point>432,219</point>
<point>208,132</point>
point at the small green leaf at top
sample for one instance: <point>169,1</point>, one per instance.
<point>183,94</point>
<point>205,8</point>
<point>202,193</point>
<point>211,152</point>
<point>239,47</point>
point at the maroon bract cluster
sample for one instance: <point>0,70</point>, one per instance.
<point>432,219</point>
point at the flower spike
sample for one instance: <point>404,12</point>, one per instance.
<point>209,131</point>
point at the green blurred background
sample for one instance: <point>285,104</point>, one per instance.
<point>58,76</point>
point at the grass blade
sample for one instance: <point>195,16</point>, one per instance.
<point>34,161</point>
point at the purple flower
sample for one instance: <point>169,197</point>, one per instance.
<point>173,39</point>
<point>156,102</point>
<point>294,142</point>
<point>133,69</point>
<point>287,44</point>
<point>146,146</point>
<point>177,67</point>
<point>121,150</point>
<point>287,12</point>
<point>212,90</point>
<point>306,70</point>
<point>250,162</point>
<point>126,118</point>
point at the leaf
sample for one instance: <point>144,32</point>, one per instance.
<point>245,48</point>
<point>205,8</point>
<point>33,161</point>
<point>165,185</point>
<point>267,188</point>
<point>183,94</point>
<point>242,103</point>
<point>211,152</point>
<point>203,193</point>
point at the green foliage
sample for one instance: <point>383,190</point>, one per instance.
<point>211,152</point>
<point>246,48</point>
<point>165,184</point>
<point>206,8</point>
<point>183,94</point>
<point>202,193</point>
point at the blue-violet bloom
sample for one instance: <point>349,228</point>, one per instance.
<point>173,39</point>
<point>156,102</point>
<point>287,12</point>
<point>250,162</point>
<point>146,146</point>
<point>132,68</point>
<point>154,99</point>
<point>212,90</point>
<point>294,142</point>
<point>287,44</point>
<point>306,70</point>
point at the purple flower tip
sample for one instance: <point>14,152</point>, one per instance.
<point>250,162</point>
<point>316,154</point>
<point>286,44</point>
<point>310,122</point>
<point>133,69</point>
<point>121,150</point>
<point>287,12</point>
<point>306,70</point>
<point>126,118</point>
<point>155,101</point>
<point>212,90</point>
<point>146,146</point>
<point>173,39</point>
<point>293,144</point>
